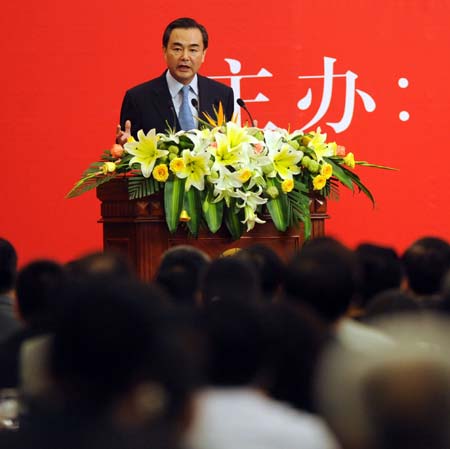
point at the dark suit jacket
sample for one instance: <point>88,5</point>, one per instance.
<point>149,105</point>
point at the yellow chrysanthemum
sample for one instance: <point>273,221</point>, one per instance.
<point>108,167</point>
<point>349,160</point>
<point>326,170</point>
<point>319,182</point>
<point>244,175</point>
<point>177,164</point>
<point>161,173</point>
<point>287,185</point>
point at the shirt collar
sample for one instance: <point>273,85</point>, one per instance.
<point>175,86</point>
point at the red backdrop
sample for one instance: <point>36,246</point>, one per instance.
<point>67,66</point>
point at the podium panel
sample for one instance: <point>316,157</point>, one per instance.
<point>137,228</point>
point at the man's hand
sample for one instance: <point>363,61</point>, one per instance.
<point>122,136</point>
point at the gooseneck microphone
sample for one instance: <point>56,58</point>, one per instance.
<point>174,115</point>
<point>242,104</point>
<point>194,103</point>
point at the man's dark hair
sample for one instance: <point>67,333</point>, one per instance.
<point>40,288</point>
<point>180,272</point>
<point>114,335</point>
<point>380,269</point>
<point>426,261</point>
<point>8,266</point>
<point>237,343</point>
<point>323,275</point>
<point>102,264</point>
<point>268,264</point>
<point>186,23</point>
<point>230,279</point>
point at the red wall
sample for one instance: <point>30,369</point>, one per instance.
<point>65,69</point>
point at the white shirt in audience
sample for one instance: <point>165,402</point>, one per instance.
<point>246,418</point>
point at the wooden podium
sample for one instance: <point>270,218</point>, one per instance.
<point>138,229</point>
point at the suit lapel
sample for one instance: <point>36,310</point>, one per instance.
<point>207,98</point>
<point>163,102</point>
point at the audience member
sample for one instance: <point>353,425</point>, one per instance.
<point>180,272</point>
<point>296,340</point>
<point>323,274</point>
<point>115,368</point>
<point>8,271</point>
<point>102,263</point>
<point>380,269</point>
<point>270,268</point>
<point>388,303</point>
<point>230,279</point>
<point>236,411</point>
<point>40,291</point>
<point>390,398</point>
<point>426,261</point>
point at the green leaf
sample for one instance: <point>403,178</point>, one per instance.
<point>89,182</point>
<point>298,203</point>
<point>340,173</point>
<point>140,187</point>
<point>233,220</point>
<point>213,213</point>
<point>173,202</point>
<point>278,207</point>
<point>192,204</point>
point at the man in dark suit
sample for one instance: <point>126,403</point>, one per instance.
<point>158,103</point>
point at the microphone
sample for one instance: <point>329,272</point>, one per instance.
<point>174,116</point>
<point>194,103</point>
<point>241,103</point>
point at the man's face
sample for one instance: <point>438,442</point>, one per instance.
<point>184,53</point>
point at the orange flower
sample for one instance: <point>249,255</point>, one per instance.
<point>116,151</point>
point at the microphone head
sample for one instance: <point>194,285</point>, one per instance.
<point>240,102</point>
<point>194,103</point>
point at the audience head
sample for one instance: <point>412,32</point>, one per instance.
<point>180,272</point>
<point>8,266</point>
<point>40,290</point>
<point>102,264</point>
<point>230,279</point>
<point>323,275</point>
<point>270,268</point>
<point>380,269</point>
<point>296,338</point>
<point>390,302</point>
<point>397,396</point>
<point>116,352</point>
<point>426,261</point>
<point>237,343</point>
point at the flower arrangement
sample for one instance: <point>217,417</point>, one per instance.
<point>226,173</point>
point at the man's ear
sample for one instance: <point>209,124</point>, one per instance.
<point>203,56</point>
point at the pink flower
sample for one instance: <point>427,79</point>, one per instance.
<point>116,150</point>
<point>258,148</point>
<point>340,150</point>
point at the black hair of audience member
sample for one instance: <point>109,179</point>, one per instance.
<point>107,263</point>
<point>180,272</point>
<point>237,344</point>
<point>268,264</point>
<point>40,289</point>
<point>323,275</point>
<point>117,336</point>
<point>390,302</point>
<point>426,261</point>
<point>380,269</point>
<point>8,266</point>
<point>296,339</point>
<point>230,279</point>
